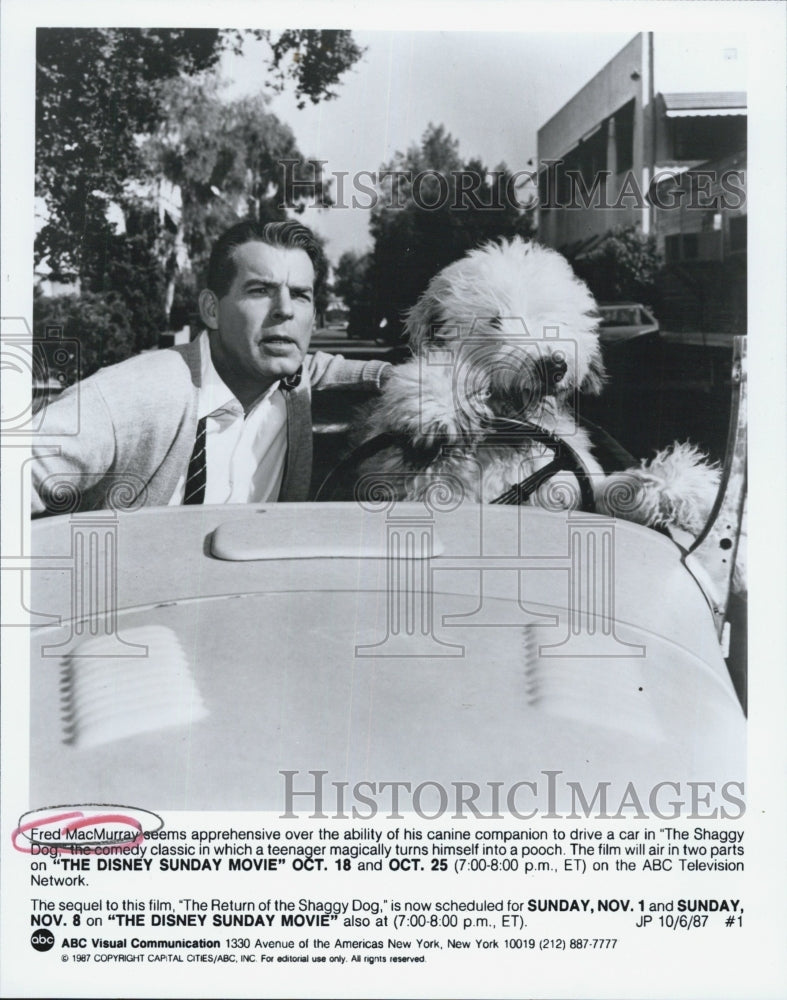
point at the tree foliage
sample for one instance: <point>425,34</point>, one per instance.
<point>433,207</point>
<point>227,159</point>
<point>120,110</point>
<point>99,322</point>
<point>313,60</point>
<point>96,91</point>
<point>100,91</point>
<point>623,266</point>
<point>353,284</point>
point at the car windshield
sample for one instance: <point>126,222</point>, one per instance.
<point>620,316</point>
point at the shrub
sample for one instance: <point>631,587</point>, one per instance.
<point>101,324</point>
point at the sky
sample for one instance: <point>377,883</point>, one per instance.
<point>492,91</point>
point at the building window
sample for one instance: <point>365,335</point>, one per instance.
<point>624,137</point>
<point>672,248</point>
<point>738,233</point>
<point>703,138</point>
<point>691,246</point>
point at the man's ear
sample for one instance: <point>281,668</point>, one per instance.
<point>209,309</point>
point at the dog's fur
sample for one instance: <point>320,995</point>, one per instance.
<point>509,332</point>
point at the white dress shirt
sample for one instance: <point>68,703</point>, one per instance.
<point>245,454</point>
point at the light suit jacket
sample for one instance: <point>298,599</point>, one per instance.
<point>123,437</point>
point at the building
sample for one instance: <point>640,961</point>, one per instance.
<point>657,140</point>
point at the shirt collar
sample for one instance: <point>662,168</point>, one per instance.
<point>214,395</point>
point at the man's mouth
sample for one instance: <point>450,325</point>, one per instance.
<point>279,338</point>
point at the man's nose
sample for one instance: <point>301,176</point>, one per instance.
<point>283,302</point>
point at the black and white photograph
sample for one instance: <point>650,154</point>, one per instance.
<point>383,589</point>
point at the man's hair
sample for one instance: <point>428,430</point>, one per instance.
<point>289,235</point>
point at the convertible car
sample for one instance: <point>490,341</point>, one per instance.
<point>219,657</point>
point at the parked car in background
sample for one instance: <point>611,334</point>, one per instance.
<point>337,317</point>
<point>625,321</point>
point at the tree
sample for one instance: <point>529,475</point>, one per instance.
<point>99,90</point>
<point>353,284</point>
<point>99,322</point>
<point>433,208</point>
<point>623,266</point>
<point>121,111</point>
<point>227,161</point>
<point>96,91</point>
<point>317,59</point>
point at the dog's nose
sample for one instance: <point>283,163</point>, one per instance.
<point>556,369</point>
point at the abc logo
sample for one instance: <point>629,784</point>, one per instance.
<point>42,940</point>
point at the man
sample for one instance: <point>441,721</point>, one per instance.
<point>225,419</point>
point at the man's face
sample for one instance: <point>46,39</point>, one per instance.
<point>262,327</point>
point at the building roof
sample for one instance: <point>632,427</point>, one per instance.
<point>687,105</point>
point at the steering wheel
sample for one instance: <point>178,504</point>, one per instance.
<point>339,483</point>
<point>566,459</point>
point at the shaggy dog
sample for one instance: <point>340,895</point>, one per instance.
<point>504,342</point>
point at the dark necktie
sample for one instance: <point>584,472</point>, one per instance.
<point>196,476</point>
